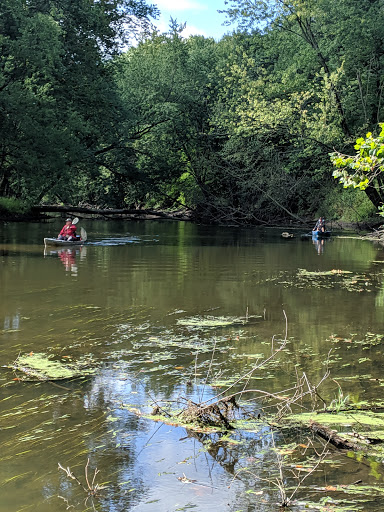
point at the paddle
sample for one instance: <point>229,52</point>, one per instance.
<point>83,234</point>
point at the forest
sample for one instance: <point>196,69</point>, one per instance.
<point>100,109</point>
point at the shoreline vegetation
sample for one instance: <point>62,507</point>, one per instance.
<point>258,128</point>
<point>47,213</point>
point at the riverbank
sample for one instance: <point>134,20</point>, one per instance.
<point>45,213</point>
<point>48,212</point>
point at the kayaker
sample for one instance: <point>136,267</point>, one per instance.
<point>68,231</point>
<point>320,225</point>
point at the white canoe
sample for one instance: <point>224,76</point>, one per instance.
<point>57,242</point>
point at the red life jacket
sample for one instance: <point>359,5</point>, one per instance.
<point>68,230</point>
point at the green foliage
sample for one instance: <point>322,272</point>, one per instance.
<point>316,93</point>
<point>348,205</point>
<point>165,84</point>
<point>11,205</point>
<point>340,402</point>
<point>238,130</point>
<point>365,165</point>
<point>58,101</point>
<point>365,168</point>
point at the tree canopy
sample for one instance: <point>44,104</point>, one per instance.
<point>237,130</point>
<point>58,102</point>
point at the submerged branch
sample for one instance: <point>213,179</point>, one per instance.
<point>256,367</point>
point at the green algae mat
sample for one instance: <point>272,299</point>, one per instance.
<point>362,429</point>
<point>42,367</point>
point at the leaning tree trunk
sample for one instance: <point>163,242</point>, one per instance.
<point>374,196</point>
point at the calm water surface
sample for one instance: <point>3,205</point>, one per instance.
<point>121,301</point>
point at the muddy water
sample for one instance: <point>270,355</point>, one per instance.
<point>124,301</point>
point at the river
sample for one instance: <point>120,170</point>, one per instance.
<point>130,302</point>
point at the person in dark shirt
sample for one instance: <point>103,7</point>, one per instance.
<point>320,225</point>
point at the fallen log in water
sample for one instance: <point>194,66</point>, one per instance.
<point>361,432</point>
<point>112,212</point>
<point>333,437</point>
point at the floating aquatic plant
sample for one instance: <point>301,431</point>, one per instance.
<point>210,321</point>
<point>40,366</point>
<point>350,281</point>
<point>303,272</point>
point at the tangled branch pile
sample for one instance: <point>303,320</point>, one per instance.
<point>218,414</point>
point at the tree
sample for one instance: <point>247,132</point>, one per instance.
<point>58,101</point>
<point>164,84</point>
<point>365,169</point>
<point>345,38</point>
<point>270,119</point>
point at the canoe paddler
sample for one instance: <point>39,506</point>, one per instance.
<point>68,231</point>
<point>320,225</point>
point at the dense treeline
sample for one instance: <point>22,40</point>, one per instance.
<point>236,130</point>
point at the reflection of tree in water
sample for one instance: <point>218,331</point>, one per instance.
<point>253,459</point>
<point>253,452</point>
<point>376,270</point>
<point>242,448</point>
<point>222,452</point>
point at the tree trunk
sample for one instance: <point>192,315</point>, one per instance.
<point>374,196</point>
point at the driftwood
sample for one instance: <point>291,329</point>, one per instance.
<point>109,212</point>
<point>333,437</point>
<point>344,444</point>
<point>217,414</point>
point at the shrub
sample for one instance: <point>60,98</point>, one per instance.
<point>348,205</point>
<point>13,206</point>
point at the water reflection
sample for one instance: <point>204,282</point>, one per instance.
<point>123,240</point>
<point>319,245</point>
<point>154,457</point>
<point>68,257</point>
<point>123,306</point>
<point>12,322</point>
